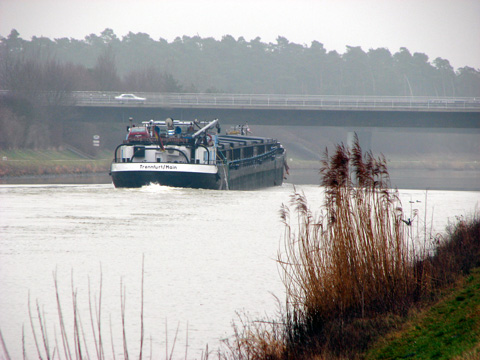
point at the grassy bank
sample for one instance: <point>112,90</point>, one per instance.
<point>16,163</point>
<point>448,329</point>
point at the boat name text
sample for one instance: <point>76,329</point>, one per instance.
<point>158,167</point>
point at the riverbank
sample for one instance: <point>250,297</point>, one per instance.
<point>29,166</point>
<point>448,329</point>
<point>403,176</point>
<point>64,166</point>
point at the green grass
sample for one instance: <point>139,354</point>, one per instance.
<point>46,155</point>
<point>14,163</point>
<point>448,329</point>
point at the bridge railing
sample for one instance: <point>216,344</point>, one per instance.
<point>278,101</point>
<point>257,101</point>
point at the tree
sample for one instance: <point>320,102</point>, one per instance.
<point>445,79</point>
<point>333,73</point>
<point>39,91</point>
<point>468,82</point>
<point>315,58</point>
<point>12,125</point>
<point>358,78</point>
<point>381,64</point>
<point>105,72</point>
<point>151,80</point>
<point>423,77</point>
<point>402,68</point>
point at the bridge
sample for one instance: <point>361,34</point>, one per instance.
<point>279,102</point>
<point>286,109</point>
<point>277,109</point>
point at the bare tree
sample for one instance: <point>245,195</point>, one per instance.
<point>105,71</point>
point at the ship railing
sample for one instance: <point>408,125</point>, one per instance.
<point>158,141</point>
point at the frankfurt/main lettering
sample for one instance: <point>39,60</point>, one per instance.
<point>158,167</point>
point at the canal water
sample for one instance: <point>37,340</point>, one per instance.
<point>208,257</point>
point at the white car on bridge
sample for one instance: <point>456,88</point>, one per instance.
<point>130,98</point>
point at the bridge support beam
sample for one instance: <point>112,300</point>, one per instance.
<point>343,118</point>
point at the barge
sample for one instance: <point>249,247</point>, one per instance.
<point>194,154</point>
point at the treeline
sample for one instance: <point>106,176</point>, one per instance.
<point>136,62</point>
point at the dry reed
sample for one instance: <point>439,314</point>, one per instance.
<point>75,344</point>
<point>259,339</point>
<point>353,260</point>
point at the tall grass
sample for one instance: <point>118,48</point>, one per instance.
<point>255,339</point>
<point>74,342</point>
<point>75,339</point>
<point>354,259</point>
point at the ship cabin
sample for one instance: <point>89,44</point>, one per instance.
<point>169,141</point>
<point>174,141</point>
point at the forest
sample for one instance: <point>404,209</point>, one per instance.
<point>136,62</point>
<point>44,71</point>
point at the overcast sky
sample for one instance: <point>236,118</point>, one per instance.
<point>449,29</point>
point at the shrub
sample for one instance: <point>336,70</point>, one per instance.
<point>458,252</point>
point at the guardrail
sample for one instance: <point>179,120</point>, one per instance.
<point>276,101</point>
